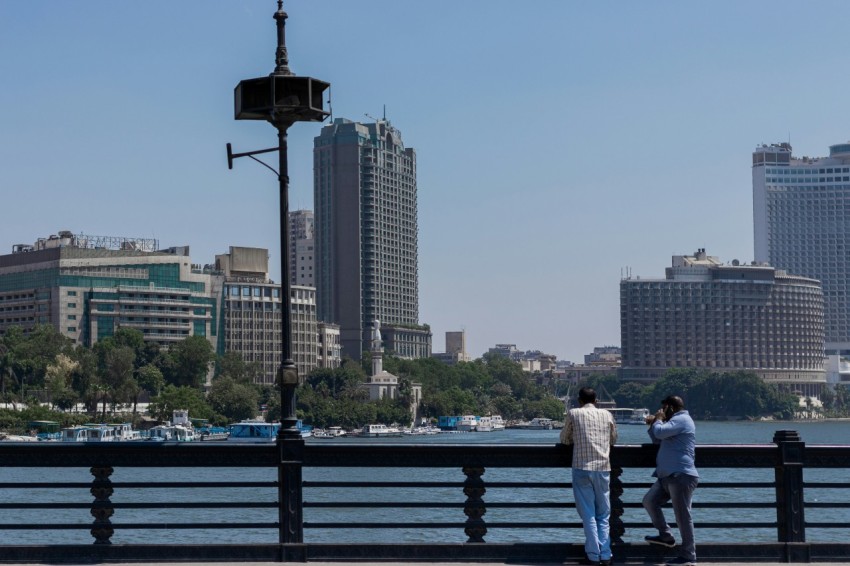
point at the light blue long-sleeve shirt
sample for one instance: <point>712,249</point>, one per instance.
<point>677,438</point>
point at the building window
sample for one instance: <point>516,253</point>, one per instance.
<point>72,329</point>
<point>72,305</point>
<point>72,293</point>
<point>72,317</point>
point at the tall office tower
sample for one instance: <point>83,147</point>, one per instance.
<point>801,218</point>
<point>252,314</point>
<point>366,236</point>
<point>87,287</point>
<point>301,248</point>
<point>724,318</point>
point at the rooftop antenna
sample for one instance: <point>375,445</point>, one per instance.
<point>385,112</point>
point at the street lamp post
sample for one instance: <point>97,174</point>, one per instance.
<point>282,98</point>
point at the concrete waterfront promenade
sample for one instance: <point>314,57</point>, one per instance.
<point>425,563</point>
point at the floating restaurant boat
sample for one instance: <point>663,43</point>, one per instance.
<point>261,431</point>
<point>253,431</point>
<point>90,433</point>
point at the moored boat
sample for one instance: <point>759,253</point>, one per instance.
<point>45,430</point>
<point>627,415</point>
<point>6,437</point>
<point>497,422</point>
<point>261,431</point>
<point>89,433</point>
<point>212,433</point>
<point>421,430</point>
<point>537,423</point>
<point>639,416</point>
<point>378,431</point>
<point>124,432</point>
<point>253,431</point>
<point>467,423</point>
<point>171,432</point>
<point>330,432</point>
<point>448,423</point>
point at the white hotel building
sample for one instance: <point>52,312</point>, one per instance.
<point>801,218</point>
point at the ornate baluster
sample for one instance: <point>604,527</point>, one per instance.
<point>102,509</point>
<point>474,507</point>
<point>617,530</point>
<point>790,504</point>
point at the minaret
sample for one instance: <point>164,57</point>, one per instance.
<point>377,349</point>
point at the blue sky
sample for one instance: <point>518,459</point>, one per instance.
<point>558,142</point>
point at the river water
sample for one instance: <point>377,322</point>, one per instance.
<point>824,432</point>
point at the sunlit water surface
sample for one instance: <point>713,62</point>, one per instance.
<point>829,432</point>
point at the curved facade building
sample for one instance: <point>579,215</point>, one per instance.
<point>724,318</point>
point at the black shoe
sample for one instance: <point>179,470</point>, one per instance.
<point>681,562</point>
<point>606,562</point>
<point>588,562</point>
<point>663,540</point>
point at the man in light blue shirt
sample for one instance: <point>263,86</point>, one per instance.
<point>673,428</point>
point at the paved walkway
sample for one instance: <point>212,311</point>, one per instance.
<point>394,563</point>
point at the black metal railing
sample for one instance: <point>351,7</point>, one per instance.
<point>143,500</point>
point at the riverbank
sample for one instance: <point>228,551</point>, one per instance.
<point>395,563</point>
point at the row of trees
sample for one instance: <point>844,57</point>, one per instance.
<point>45,366</point>
<point>492,385</point>
<point>121,369</point>
<point>706,394</point>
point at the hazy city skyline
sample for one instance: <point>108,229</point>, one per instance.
<point>557,143</point>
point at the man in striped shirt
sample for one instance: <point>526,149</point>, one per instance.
<point>592,432</point>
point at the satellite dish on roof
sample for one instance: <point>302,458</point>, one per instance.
<point>736,263</point>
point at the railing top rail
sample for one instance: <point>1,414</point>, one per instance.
<point>364,454</point>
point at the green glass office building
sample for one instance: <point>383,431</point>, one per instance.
<point>87,293</point>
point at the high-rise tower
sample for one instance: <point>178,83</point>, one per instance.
<point>801,218</point>
<point>301,248</point>
<point>366,236</point>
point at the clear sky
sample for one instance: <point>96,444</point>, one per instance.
<point>558,142</point>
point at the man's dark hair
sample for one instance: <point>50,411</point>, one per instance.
<point>674,401</point>
<point>586,395</point>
